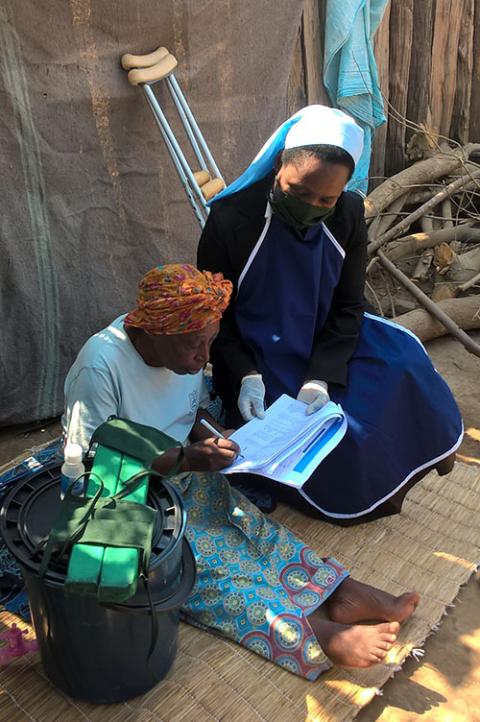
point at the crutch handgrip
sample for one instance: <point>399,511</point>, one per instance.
<point>130,61</point>
<point>202,177</point>
<point>142,76</point>
<point>211,188</point>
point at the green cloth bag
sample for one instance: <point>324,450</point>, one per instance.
<point>112,521</point>
<point>109,521</point>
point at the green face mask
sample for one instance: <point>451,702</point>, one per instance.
<point>295,212</point>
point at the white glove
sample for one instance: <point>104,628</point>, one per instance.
<point>251,399</point>
<point>315,394</point>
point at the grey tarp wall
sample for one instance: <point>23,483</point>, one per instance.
<point>89,199</point>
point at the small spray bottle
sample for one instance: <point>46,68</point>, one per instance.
<point>72,468</point>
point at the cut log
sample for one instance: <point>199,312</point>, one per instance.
<point>433,308</point>
<point>464,266</point>
<point>475,280</point>
<point>423,266</point>
<point>424,171</point>
<point>443,290</point>
<point>459,275</point>
<point>463,183</point>
<point>465,312</point>
<point>417,242</point>
<point>416,198</point>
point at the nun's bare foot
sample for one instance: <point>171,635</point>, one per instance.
<point>357,645</point>
<point>355,602</point>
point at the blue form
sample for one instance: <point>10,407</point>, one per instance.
<point>317,444</point>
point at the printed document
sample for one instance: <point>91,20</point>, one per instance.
<point>288,445</point>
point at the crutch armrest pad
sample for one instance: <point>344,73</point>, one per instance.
<point>130,61</point>
<point>142,76</point>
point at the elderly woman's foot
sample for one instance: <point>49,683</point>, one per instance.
<point>355,602</point>
<point>354,646</point>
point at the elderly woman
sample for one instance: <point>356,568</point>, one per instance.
<point>257,583</point>
<point>293,242</point>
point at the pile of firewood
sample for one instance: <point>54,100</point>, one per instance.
<point>424,244</point>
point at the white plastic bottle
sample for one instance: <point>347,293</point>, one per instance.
<point>72,468</point>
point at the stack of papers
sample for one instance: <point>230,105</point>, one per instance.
<point>288,445</point>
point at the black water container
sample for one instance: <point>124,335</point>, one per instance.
<point>91,651</point>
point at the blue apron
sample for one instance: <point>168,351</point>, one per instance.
<point>402,417</point>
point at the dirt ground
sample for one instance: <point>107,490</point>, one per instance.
<point>444,686</point>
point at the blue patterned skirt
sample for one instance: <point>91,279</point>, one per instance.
<point>256,583</point>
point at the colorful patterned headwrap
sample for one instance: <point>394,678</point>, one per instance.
<point>178,298</point>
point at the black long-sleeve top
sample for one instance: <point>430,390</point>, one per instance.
<point>230,234</point>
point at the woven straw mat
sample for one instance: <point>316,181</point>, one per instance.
<point>433,546</point>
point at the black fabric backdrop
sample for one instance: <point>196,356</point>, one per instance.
<point>90,199</point>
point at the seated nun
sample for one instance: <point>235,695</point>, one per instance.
<point>293,242</point>
<point>257,583</point>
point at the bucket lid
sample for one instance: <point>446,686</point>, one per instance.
<point>29,510</point>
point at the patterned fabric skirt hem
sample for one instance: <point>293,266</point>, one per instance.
<point>257,583</point>
<point>321,665</point>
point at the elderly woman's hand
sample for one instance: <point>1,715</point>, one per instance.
<point>211,454</point>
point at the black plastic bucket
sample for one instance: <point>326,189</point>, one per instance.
<point>91,651</point>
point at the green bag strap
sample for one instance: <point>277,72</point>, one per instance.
<point>135,480</point>
<point>141,442</point>
<point>69,523</point>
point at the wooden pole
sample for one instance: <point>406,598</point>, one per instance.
<point>475,97</point>
<point>401,29</point>
<point>461,108</point>
<point>448,18</point>
<point>382,57</point>
<point>420,64</point>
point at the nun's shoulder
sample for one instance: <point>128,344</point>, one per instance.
<point>347,223</point>
<point>351,203</point>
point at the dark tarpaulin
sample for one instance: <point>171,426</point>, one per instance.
<point>90,199</point>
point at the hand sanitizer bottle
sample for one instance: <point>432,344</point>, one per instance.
<point>72,468</point>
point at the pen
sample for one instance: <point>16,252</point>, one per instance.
<point>215,432</point>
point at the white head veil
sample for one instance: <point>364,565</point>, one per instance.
<point>313,125</point>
